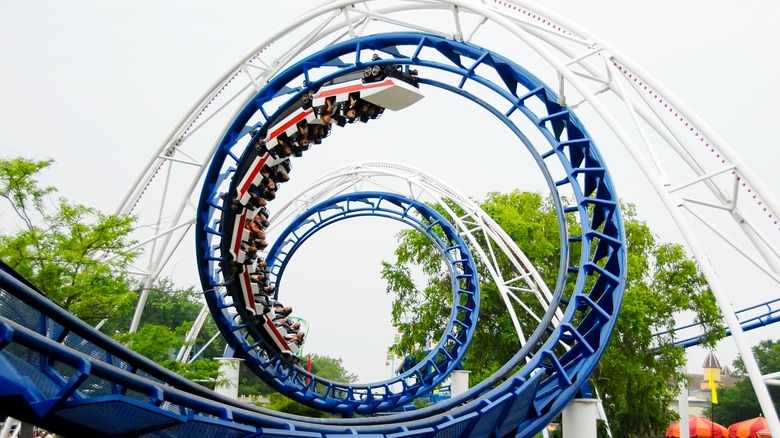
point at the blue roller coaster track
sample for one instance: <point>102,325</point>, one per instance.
<point>590,290</point>
<point>440,361</point>
<point>59,373</point>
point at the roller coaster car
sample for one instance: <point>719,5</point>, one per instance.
<point>377,73</point>
<point>262,316</point>
<point>253,178</point>
<point>364,96</point>
<point>389,92</point>
<point>275,336</point>
<point>385,87</point>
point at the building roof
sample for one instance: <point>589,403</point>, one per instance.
<point>723,382</point>
<point>711,361</point>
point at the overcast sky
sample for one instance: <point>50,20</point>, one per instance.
<point>98,85</point>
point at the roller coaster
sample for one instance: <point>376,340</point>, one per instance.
<point>61,374</point>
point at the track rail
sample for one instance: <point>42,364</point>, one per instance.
<point>589,289</point>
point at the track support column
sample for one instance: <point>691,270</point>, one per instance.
<point>460,382</point>
<point>579,418</point>
<point>228,372</point>
<point>682,407</point>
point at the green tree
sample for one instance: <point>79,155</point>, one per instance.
<point>168,316</point>
<point>330,368</point>
<point>250,384</point>
<point>156,342</point>
<point>202,371</point>
<point>175,308</point>
<point>78,256</point>
<point>740,402</point>
<point>637,372</point>
<point>421,312</point>
<point>61,247</point>
<point>167,304</point>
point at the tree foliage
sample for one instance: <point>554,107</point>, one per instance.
<point>203,371</point>
<point>168,316</point>
<point>78,256</point>
<point>740,402</point>
<point>175,308</point>
<point>62,248</point>
<point>250,384</point>
<point>330,368</point>
<point>637,372</point>
<point>421,312</point>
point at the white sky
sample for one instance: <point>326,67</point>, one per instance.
<point>98,85</point>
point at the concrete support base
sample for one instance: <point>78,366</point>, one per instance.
<point>579,418</point>
<point>460,382</point>
<point>228,372</point>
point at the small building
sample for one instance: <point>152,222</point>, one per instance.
<point>699,391</point>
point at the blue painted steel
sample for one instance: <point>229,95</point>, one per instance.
<point>61,374</point>
<point>69,381</point>
<point>589,290</point>
<point>749,318</point>
<point>438,362</point>
<point>57,372</point>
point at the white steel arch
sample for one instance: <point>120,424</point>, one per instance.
<point>471,222</point>
<point>700,180</point>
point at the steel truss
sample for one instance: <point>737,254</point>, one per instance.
<point>650,124</point>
